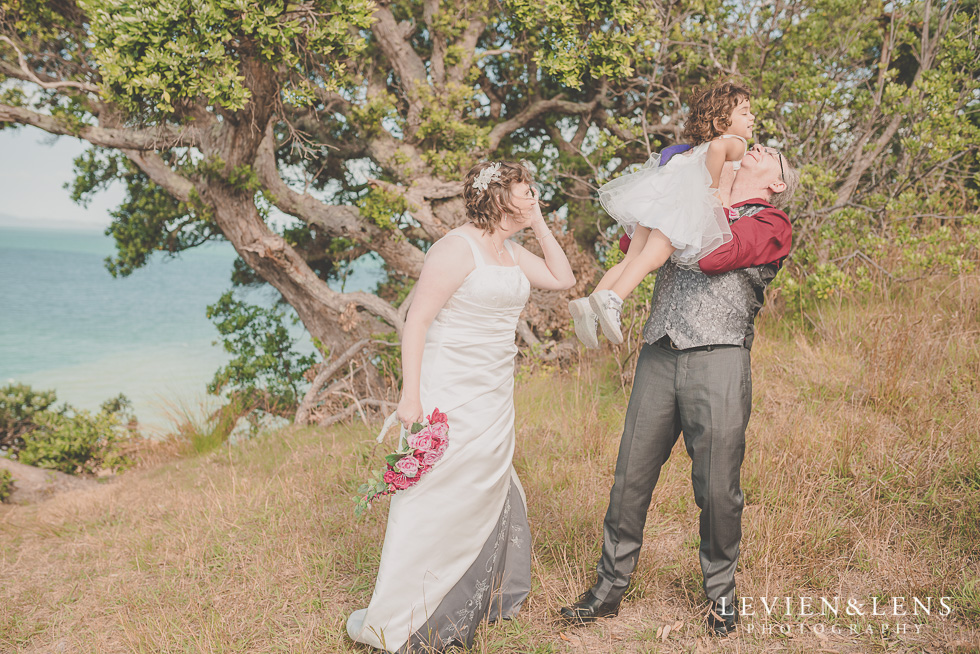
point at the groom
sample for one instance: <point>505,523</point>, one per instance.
<point>693,376</point>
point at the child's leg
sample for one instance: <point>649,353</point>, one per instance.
<point>653,252</point>
<point>648,250</point>
<point>639,239</point>
<point>581,309</point>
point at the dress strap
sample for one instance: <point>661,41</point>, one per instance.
<point>509,245</point>
<point>477,257</point>
<point>735,136</point>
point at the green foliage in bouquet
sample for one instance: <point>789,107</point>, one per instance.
<point>376,486</point>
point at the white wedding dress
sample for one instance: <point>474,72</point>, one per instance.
<point>457,545</point>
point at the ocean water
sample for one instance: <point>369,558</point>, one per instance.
<point>66,324</point>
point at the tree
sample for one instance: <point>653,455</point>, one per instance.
<point>358,119</point>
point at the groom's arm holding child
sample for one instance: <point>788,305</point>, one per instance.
<point>764,237</point>
<point>758,239</point>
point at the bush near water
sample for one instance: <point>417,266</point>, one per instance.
<point>35,432</point>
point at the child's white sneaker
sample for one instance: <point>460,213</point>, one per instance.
<point>586,322</point>
<point>609,308</point>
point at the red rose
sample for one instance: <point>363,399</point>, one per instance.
<point>437,417</point>
<point>401,482</point>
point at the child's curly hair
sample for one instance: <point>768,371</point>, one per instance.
<point>486,207</point>
<point>717,100</point>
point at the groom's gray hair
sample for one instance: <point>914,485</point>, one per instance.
<point>791,178</point>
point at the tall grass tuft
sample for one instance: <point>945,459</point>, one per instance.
<point>205,427</point>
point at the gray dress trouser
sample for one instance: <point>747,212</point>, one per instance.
<point>708,396</point>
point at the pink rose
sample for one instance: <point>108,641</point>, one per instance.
<point>409,465</point>
<point>421,441</point>
<point>390,476</point>
<point>431,457</point>
<point>439,430</point>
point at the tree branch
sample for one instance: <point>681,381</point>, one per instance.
<point>393,41</point>
<point>30,76</point>
<point>331,98</point>
<point>337,221</point>
<point>437,60</point>
<point>467,44</point>
<point>161,173</point>
<point>325,373</point>
<point>158,138</point>
<point>602,117</point>
<point>352,409</point>
<point>535,110</point>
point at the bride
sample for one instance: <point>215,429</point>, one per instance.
<point>457,545</point>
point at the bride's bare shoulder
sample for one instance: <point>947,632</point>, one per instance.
<point>452,249</point>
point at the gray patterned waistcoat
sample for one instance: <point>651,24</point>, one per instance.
<point>695,309</point>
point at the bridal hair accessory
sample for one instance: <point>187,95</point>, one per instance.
<point>489,174</point>
<point>417,452</point>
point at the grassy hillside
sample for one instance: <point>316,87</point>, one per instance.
<point>862,480</point>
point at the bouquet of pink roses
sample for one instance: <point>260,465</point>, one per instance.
<point>415,456</point>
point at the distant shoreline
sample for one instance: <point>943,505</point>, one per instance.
<point>15,222</point>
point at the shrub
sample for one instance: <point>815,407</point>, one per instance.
<point>265,370</point>
<point>74,443</point>
<point>19,403</point>
<point>64,439</point>
<point>6,485</point>
<point>121,407</point>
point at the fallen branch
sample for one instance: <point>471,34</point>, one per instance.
<point>316,392</point>
<point>349,411</point>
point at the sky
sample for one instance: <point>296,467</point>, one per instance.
<point>34,167</point>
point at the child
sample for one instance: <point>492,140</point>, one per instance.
<point>672,211</point>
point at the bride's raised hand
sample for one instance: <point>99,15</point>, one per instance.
<point>533,213</point>
<point>409,411</point>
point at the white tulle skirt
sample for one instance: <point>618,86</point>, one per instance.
<point>676,199</point>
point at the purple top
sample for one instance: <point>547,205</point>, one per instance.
<point>671,150</point>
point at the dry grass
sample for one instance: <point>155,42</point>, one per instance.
<point>862,479</point>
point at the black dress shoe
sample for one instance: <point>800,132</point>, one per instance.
<point>587,608</point>
<point>722,617</point>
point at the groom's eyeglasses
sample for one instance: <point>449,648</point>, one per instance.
<point>779,158</point>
